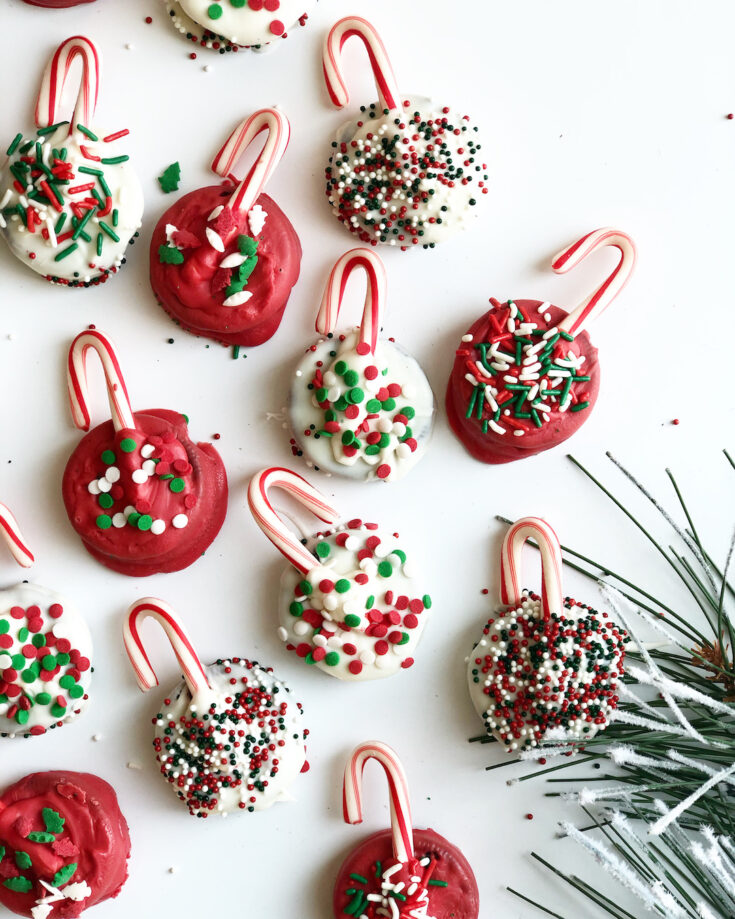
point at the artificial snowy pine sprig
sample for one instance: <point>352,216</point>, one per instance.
<point>671,745</point>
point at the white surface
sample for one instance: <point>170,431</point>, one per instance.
<point>592,115</point>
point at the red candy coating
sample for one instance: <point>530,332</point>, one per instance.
<point>94,836</point>
<point>491,447</point>
<point>460,899</point>
<point>129,549</point>
<point>56,4</point>
<point>193,293</point>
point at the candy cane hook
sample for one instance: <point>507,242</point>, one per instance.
<point>511,587</point>
<point>55,77</point>
<point>385,79</point>
<point>272,525</point>
<point>279,132</point>
<point>400,804</point>
<point>151,608</point>
<point>598,301</point>
<point>372,314</point>
<point>122,413</point>
<point>10,531</point>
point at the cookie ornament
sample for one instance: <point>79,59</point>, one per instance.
<point>45,652</point>
<point>56,4</point>
<point>229,25</point>
<point>233,705</point>
<point>526,375</point>
<point>69,200</point>
<point>224,258</point>
<point>350,602</point>
<point>142,496</point>
<point>546,669</point>
<point>64,845</point>
<point>399,873</point>
<point>360,406</point>
<point>407,172</point>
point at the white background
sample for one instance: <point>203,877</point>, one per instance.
<point>592,114</point>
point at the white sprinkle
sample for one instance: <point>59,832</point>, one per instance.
<point>282,633</point>
<point>180,521</point>
<point>256,219</point>
<point>132,765</point>
<point>140,477</point>
<point>233,261</point>
<point>149,467</point>
<point>237,299</point>
<point>172,870</point>
<point>467,337</point>
<point>207,68</point>
<point>147,450</point>
<point>215,240</point>
<point>129,46</point>
<point>119,521</point>
<point>112,474</point>
<point>216,212</point>
<point>96,738</point>
<point>93,488</point>
<point>104,485</point>
<point>158,527</point>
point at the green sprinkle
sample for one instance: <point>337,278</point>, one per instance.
<point>342,586</point>
<point>90,134</point>
<point>177,485</point>
<point>110,232</point>
<point>19,884</point>
<point>214,11</point>
<point>332,659</point>
<point>23,860</point>
<point>296,608</point>
<point>104,522</point>
<point>37,835</point>
<point>88,170</point>
<point>323,549</point>
<point>169,180</point>
<point>145,522</point>
<point>114,160</point>
<point>358,877</point>
<point>14,145</point>
<point>128,445</point>
<point>82,223</point>
<point>385,569</point>
<point>170,255</point>
<point>68,251</point>
<point>434,883</point>
<point>64,875</point>
<point>108,457</point>
<point>579,406</point>
<point>305,588</point>
<point>352,620</point>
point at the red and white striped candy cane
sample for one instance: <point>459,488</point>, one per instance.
<point>598,301</point>
<point>54,80</point>
<point>385,79</point>
<point>151,608</point>
<point>122,413</point>
<point>272,525</point>
<point>372,314</point>
<point>279,131</point>
<point>10,531</point>
<point>400,804</point>
<point>511,586</point>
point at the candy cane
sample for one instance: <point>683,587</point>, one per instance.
<point>122,413</point>
<point>54,80</point>
<point>151,608</point>
<point>372,314</point>
<point>251,187</point>
<point>598,301</point>
<point>511,588</point>
<point>400,805</point>
<point>385,78</point>
<point>10,532</point>
<point>272,525</point>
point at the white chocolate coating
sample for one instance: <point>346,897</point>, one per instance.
<point>445,174</point>
<point>368,624</point>
<point>266,700</point>
<point>402,443</point>
<point>532,684</point>
<point>239,25</point>
<point>33,620</point>
<point>41,253</point>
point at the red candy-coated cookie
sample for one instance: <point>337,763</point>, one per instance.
<point>163,521</point>
<point>452,887</point>
<point>481,423</point>
<point>56,4</point>
<point>194,291</point>
<point>66,829</point>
